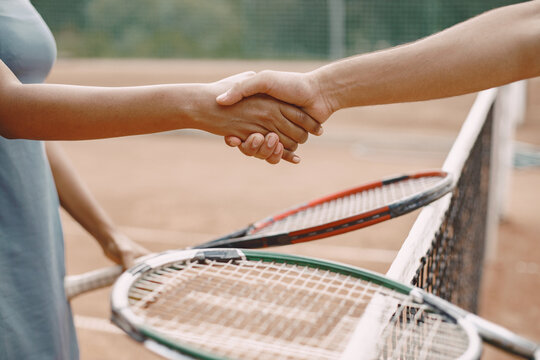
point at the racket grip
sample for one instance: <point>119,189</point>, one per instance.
<point>77,284</point>
<point>505,339</point>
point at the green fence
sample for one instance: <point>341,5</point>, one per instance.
<point>284,29</point>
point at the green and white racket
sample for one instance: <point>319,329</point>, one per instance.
<point>247,304</point>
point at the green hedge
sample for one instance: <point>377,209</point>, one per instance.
<point>243,28</point>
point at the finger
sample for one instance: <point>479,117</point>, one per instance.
<point>251,146</point>
<point>251,86</point>
<point>287,142</point>
<point>128,257</point>
<point>300,118</point>
<point>276,155</point>
<point>286,128</point>
<point>232,141</point>
<point>270,144</point>
<point>290,156</point>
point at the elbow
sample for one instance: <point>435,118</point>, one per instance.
<point>8,125</point>
<point>8,133</point>
<point>8,128</point>
<point>7,122</point>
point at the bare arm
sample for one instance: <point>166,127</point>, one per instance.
<point>498,47</point>
<point>495,48</point>
<point>62,112</point>
<point>77,200</point>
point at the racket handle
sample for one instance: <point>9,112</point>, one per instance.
<point>504,338</point>
<point>78,284</point>
<point>488,331</point>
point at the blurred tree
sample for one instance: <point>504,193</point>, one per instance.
<point>243,28</point>
<point>292,28</point>
<point>61,13</point>
<point>164,28</point>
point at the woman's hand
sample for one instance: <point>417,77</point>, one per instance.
<point>122,250</point>
<point>263,147</point>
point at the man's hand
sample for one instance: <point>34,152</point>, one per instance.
<point>299,89</point>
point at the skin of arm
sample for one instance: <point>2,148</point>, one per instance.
<point>77,200</point>
<point>63,112</point>
<point>495,48</point>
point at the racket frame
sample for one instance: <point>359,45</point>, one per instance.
<point>134,325</point>
<point>247,238</point>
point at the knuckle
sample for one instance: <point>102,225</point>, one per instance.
<point>292,146</point>
<point>303,137</point>
<point>248,151</point>
<point>303,118</point>
<point>273,160</point>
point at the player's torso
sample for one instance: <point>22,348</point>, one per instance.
<point>27,46</point>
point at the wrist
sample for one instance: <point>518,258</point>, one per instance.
<point>322,82</point>
<point>204,113</point>
<point>105,234</point>
<point>185,102</point>
<point>196,108</point>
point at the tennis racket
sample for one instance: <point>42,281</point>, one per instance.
<point>248,304</point>
<point>328,216</point>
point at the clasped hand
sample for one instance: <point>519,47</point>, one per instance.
<point>286,89</point>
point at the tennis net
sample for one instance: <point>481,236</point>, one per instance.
<point>445,249</point>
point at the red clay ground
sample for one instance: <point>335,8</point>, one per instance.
<point>175,190</point>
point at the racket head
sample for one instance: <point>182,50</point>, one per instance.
<point>232,304</point>
<point>342,212</point>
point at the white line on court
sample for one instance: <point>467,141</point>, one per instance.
<point>96,324</point>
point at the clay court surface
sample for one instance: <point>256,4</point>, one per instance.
<point>177,189</point>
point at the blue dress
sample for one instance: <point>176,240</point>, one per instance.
<point>35,318</point>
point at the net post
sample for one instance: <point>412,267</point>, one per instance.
<point>336,24</point>
<point>509,111</point>
<point>419,240</point>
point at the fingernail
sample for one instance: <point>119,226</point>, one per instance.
<point>296,159</point>
<point>256,142</point>
<point>222,96</point>
<point>277,150</point>
<point>271,141</point>
<point>320,131</point>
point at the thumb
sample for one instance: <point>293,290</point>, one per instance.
<point>230,97</point>
<point>252,85</point>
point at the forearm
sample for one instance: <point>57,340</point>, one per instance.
<point>76,198</point>
<point>495,48</point>
<point>51,112</point>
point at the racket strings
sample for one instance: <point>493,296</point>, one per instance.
<point>416,332</point>
<point>261,310</point>
<point>303,308</point>
<point>347,206</point>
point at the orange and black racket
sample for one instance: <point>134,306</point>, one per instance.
<point>341,212</point>
<point>328,216</point>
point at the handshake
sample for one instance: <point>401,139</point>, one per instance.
<point>502,46</point>
<point>294,107</point>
